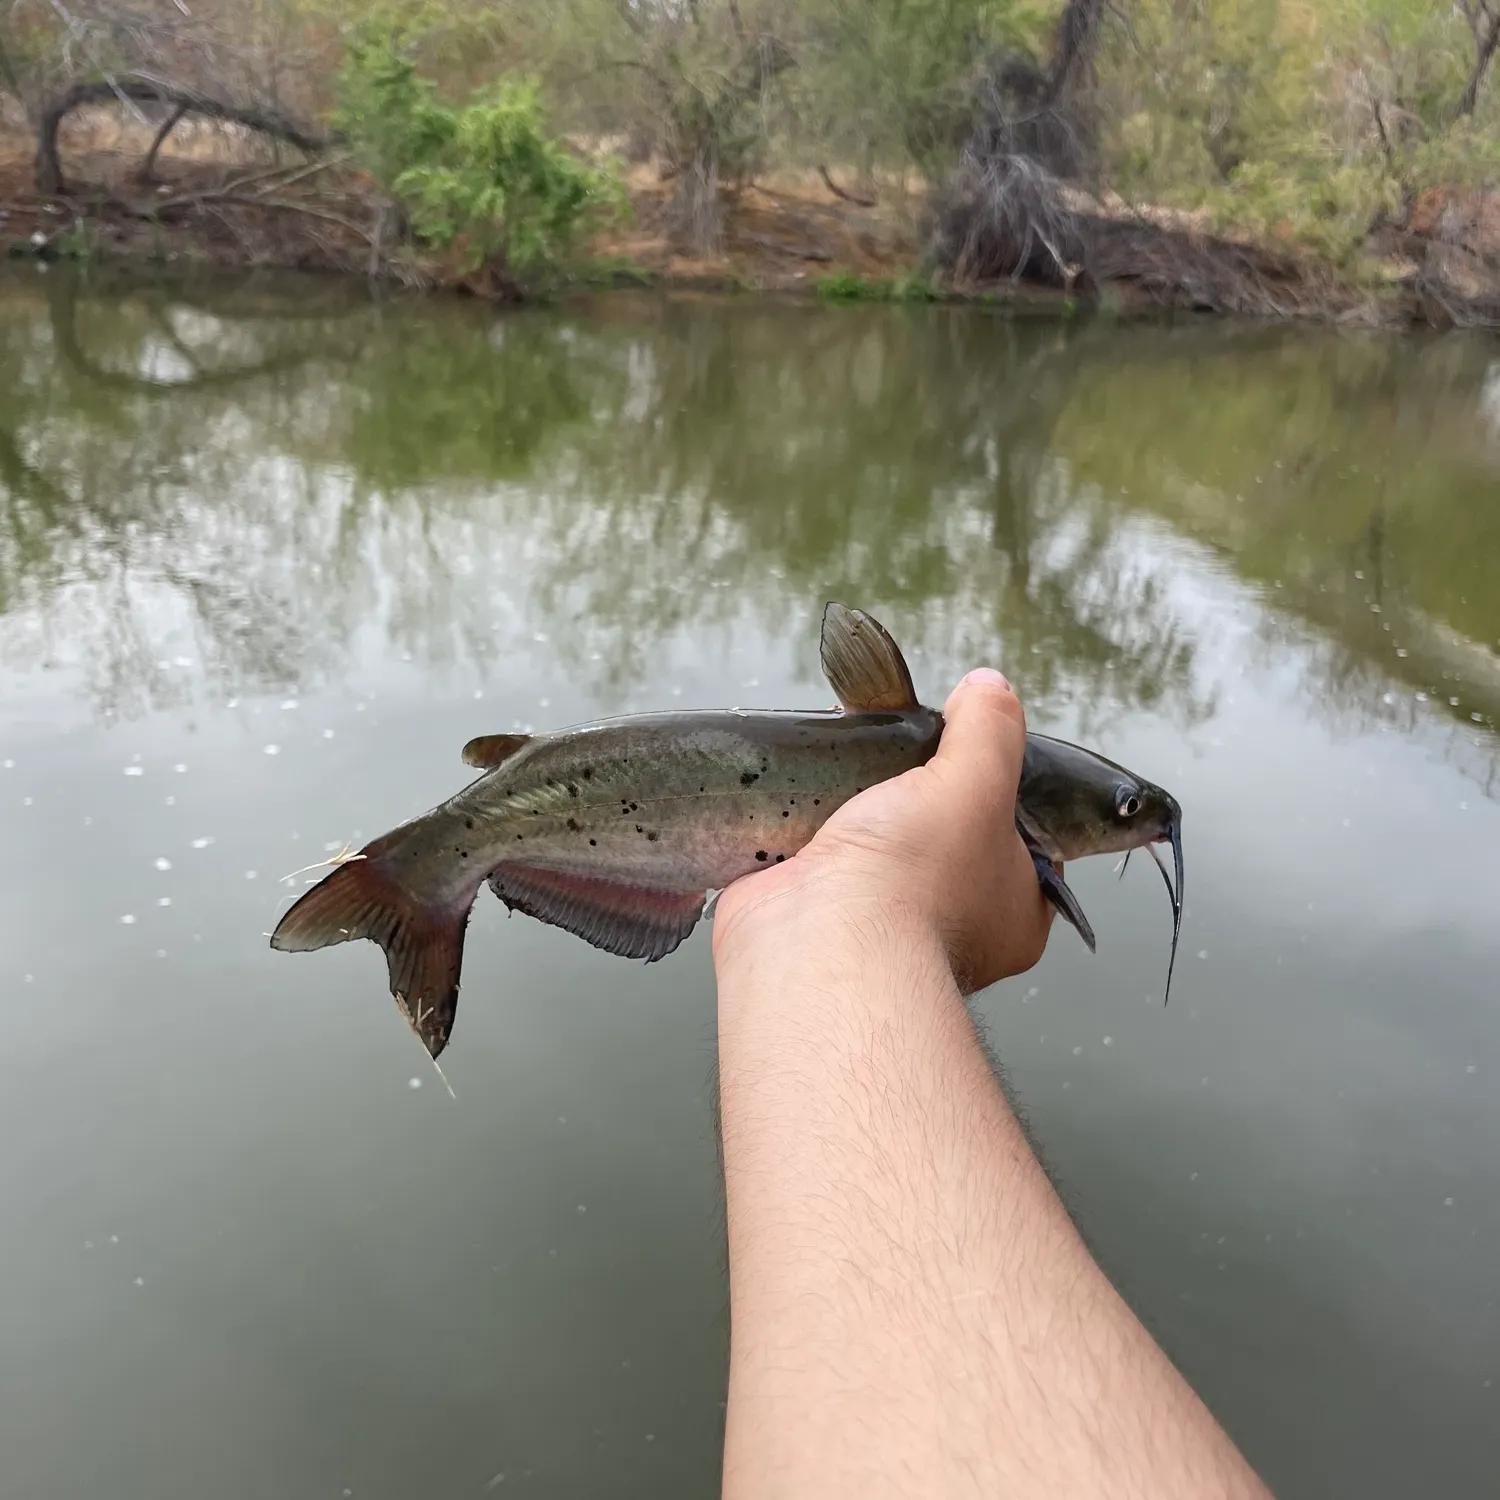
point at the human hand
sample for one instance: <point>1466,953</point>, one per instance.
<point>934,851</point>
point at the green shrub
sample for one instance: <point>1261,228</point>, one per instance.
<point>485,177</point>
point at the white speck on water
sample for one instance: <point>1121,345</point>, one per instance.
<point>170,801</point>
<point>10,765</point>
<point>1346,822</point>
<point>752,682</point>
<point>650,1437</point>
<point>540,638</point>
<point>233,703</point>
<point>596,656</point>
<point>1470,1068</point>
<point>583,1208</point>
<point>552,1254</point>
<point>495,1481</point>
<point>179,768</point>
<point>88,822</point>
<point>272,749</point>
<point>27,801</point>
<point>250,874</point>
<point>1463,807</point>
<point>1359,573</point>
<point>528,729</point>
<point>135,770</point>
<point>161,952</point>
<point>1388,698</point>
<point>478,694</point>
<point>1447,1203</point>
<point>1203,953</point>
<point>88,1244</point>
<point>1374,609</point>
<point>140,1281</point>
<point>359,708</point>
<point>1421,697</point>
<point>128,919</point>
<point>406,656</point>
<point>544,703</point>
<point>1077,1051</point>
<point>163,863</point>
<point>677,692</point>
<point>333,847</point>
<point>1402,651</point>
<point>414,1083</point>
<point>29,978</point>
<point>288,703</point>
<point>562,1119</point>
<point>114,1239</point>
<point>163,900</point>
<point>1477,718</point>
<point>204,842</point>
<point>1109,1041</point>
<point>327,734</point>
<point>1453,703</point>
<point>1192,1177</point>
<point>182,661</point>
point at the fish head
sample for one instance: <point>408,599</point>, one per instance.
<point>1076,803</point>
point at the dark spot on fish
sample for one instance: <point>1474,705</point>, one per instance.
<point>639,829</point>
<point>572,790</point>
<point>747,777</point>
<point>791,781</point>
<point>635,807</point>
<point>785,812</point>
<point>468,822</point>
<point>593,843</point>
<point>760,854</point>
<point>779,858</point>
<point>575,825</point>
<point>519,837</point>
<point>463,853</point>
<point>702,788</point>
<point>588,773</point>
<point>816,801</point>
<point>653,835</point>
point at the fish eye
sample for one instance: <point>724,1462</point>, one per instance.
<point>1127,804</point>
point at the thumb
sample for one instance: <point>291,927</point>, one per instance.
<point>984,736</point>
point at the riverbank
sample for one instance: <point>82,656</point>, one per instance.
<point>208,202</point>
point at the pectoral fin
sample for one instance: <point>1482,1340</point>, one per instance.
<point>863,664</point>
<point>1054,887</point>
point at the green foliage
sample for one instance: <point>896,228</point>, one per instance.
<point>486,176</point>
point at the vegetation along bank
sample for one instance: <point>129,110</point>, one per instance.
<point>1337,159</point>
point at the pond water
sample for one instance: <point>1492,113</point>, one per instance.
<point>271,551</point>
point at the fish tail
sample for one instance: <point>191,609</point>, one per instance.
<point>423,940</point>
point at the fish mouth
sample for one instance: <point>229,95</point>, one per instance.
<point>1171,835</point>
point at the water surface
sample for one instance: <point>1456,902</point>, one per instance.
<point>271,552</point>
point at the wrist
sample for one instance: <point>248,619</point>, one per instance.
<point>826,924</point>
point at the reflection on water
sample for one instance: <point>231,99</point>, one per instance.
<point>1260,562</point>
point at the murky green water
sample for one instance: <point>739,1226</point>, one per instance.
<point>269,554</point>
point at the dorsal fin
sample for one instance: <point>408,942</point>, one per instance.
<point>488,750</point>
<point>862,663</point>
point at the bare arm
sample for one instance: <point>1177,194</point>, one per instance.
<point>913,1312</point>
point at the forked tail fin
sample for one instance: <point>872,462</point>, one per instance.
<point>423,942</point>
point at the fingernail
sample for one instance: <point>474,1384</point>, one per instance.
<point>988,677</point>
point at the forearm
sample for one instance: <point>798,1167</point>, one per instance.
<point>913,1312</point>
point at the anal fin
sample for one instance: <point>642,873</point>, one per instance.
<point>632,921</point>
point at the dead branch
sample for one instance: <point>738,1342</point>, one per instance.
<point>1485,44</point>
<point>794,251</point>
<point>267,122</point>
<point>839,192</point>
